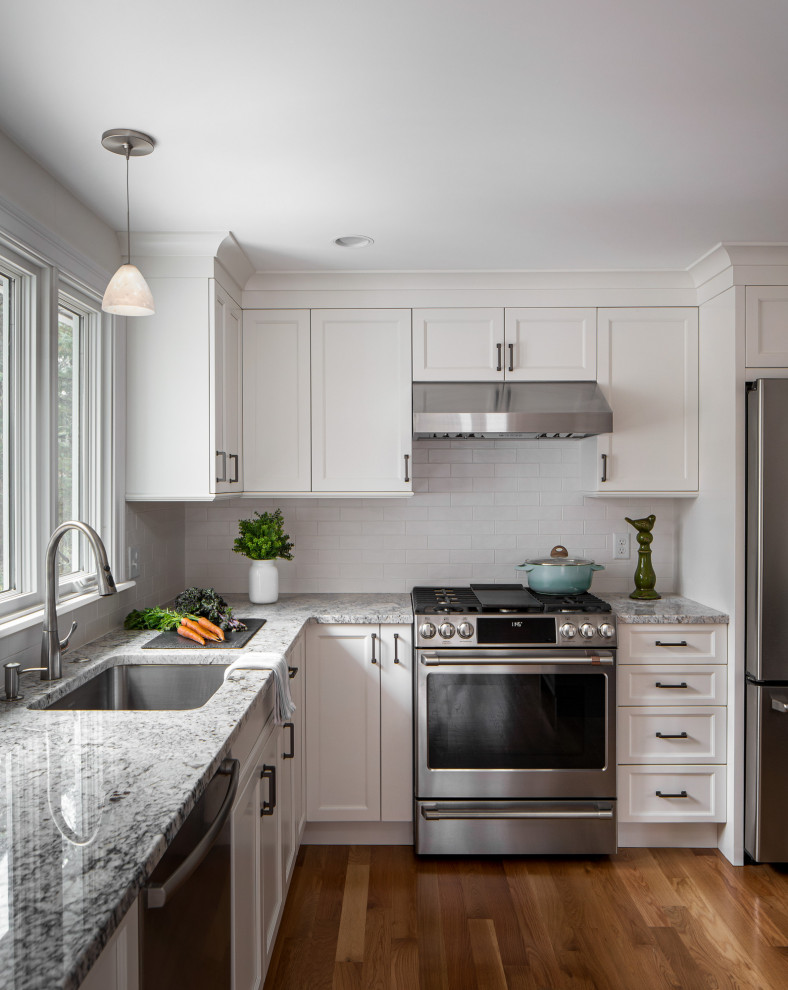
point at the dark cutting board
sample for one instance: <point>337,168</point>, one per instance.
<point>233,640</point>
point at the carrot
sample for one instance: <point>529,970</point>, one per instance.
<point>190,634</point>
<point>210,627</point>
<point>196,628</point>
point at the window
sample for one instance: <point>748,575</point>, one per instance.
<point>6,398</point>
<point>56,447</point>
<point>18,284</point>
<point>78,427</point>
<point>69,430</point>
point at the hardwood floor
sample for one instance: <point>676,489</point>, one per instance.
<point>379,918</point>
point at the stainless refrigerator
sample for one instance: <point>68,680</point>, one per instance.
<point>766,768</point>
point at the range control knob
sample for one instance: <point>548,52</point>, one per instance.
<point>607,630</point>
<point>446,629</point>
<point>427,630</point>
<point>587,630</point>
<point>568,630</point>
<point>465,629</point>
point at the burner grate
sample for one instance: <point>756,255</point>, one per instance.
<point>572,603</point>
<point>444,600</point>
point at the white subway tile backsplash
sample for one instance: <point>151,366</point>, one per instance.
<point>479,508</point>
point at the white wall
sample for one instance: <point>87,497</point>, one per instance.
<point>40,199</point>
<point>479,508</point>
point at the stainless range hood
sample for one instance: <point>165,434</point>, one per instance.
<point>509,410</point>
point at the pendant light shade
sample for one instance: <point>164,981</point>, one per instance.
<point>127,293</point>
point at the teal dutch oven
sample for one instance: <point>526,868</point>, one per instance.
<point>560,574</point>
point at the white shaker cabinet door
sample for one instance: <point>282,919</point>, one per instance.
<point>270,814</point>
<point>343,723</point>
<point>648,370</point>
<point>396,723</point>
<point>276,401</point>
<point>766,326</point>
<point>362,419</point>
<point>457,345</point>
<point>227,390</point>
<point>247,956</point>
<point>550,345</point>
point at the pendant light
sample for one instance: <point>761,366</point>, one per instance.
<point>128,293</point>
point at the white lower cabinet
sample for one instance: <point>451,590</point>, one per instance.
<point>246,949</point>
<point>671,730</point>
<point>359,728</point>
<point>267,822</point>
<point>117,968</point>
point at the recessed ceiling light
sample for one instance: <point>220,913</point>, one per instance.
<point>354,241</point>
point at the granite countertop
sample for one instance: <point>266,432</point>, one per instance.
<point>670,609</point>
<point>89,801</point>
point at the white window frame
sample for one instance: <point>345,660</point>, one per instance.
<point>41,288</point>
<point>25,417</point>
<point>94,476</point>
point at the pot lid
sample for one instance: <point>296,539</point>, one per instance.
<point>560,556</point>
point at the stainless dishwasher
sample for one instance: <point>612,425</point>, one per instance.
<point>186,914</point>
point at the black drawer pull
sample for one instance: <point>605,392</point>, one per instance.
<point>291,729</point>
<point>292,671</point>
<point>682,643</point>
<point>659,684</point>
<point>269,773</point>
<point>681,794</point>
<point>671,735</point>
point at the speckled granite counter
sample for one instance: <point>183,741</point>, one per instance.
<point>90,800</point>
<point>668,609</point>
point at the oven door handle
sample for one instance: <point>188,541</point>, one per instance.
<point>434,660</point>
<point>432,814</point>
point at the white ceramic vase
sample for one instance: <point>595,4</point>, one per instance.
<point>263,582</point>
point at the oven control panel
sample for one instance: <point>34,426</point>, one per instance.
<point>513,630</point>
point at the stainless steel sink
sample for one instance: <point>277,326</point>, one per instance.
<point>145,687</point>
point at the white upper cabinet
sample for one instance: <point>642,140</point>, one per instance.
<point>362,419</point>
<point>276,401</point>
<point>527,345</point>
<point>766,326</point>
<point>648,370</point>
<point>183,394</point>
<point>226,388</point>
<point>550,345</point>
<point>457,345</point>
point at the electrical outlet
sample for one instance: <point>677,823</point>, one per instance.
<point>133,568</point>
<point>621,546</point>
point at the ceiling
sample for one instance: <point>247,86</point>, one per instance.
<point>493,134</point>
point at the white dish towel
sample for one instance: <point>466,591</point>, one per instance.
<point>284,703</point>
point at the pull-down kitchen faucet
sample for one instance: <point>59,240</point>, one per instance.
<point>52,645</point>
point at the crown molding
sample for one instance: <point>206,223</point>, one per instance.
<point>370,281</point>
<point>28,235</point>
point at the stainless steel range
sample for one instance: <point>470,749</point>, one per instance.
<point>514,722</point>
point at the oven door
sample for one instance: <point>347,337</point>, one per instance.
<point>515,725</point>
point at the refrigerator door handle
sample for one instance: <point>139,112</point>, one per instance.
<point>780,706</point>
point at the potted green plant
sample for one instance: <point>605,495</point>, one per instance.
<point>262,539</point>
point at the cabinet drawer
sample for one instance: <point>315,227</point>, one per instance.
<point>672,643</point>
<point>704,787</point>
<point>672,685</point>
<point>655,735</point>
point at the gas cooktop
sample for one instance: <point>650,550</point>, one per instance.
<point>510,615</point>
<point>501,599</point>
